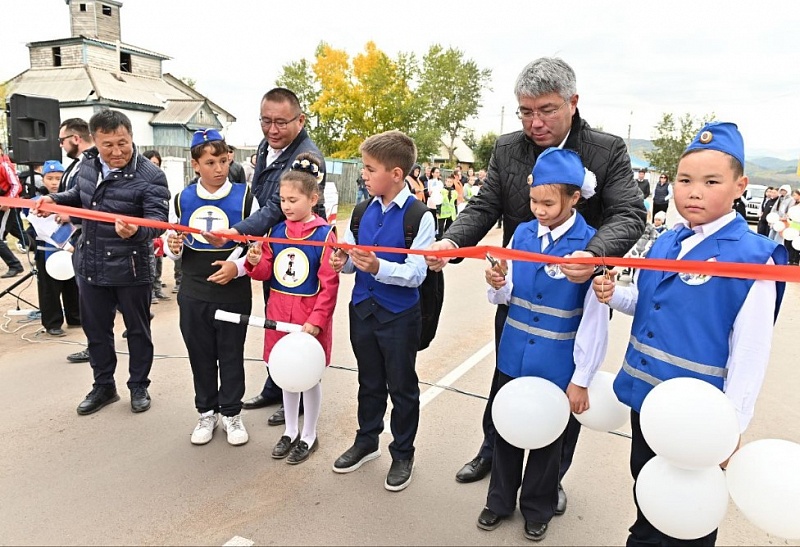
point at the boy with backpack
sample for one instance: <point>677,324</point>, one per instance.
<point>385,317</point>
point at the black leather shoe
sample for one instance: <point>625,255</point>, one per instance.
<point>355,457</point>
<point>140,399</point>
<point>489,520</point>
<point>11,273</point>
<point>535,531</point>
<point>283,447</point>
<point>58,331</point>
<point>259,401</point>
<point>301,452</point>
<point>561,506</point>
<point>79,357</point>
<point>99,397</point>
<point>279,418</point>
<point>399,476</point>
<point>474,470</point>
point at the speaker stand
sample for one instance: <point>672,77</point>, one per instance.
<point>19,282</point>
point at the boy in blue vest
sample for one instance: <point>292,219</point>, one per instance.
<point>385,318</point>
<point>674,333</point>
<point>556,330</point>
<point>213,281</point>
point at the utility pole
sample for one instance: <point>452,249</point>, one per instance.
<point>630,120</point>
<point>502,117</point>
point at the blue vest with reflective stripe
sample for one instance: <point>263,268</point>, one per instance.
<point>544,312</point>
<point>384,230</point>
<point>295,266</point>
<point>682,324</point>
<point>211,214</point>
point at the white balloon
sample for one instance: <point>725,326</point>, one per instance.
<point>772,218</point>
<point>605,412</point>
<point>297,362</point>
<point>779,226</point>
<point>59,265</point>
<point>530,412</point>
<point>796,244</point>
<point>794,213</point>
<point>690,422</point>
<point>790,233</point>
<point>764,482</point>
<point>682,503</point>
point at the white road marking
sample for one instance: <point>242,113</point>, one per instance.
<point>238,541</point>
<point>449,379</point>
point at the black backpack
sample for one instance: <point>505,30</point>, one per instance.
<point>431,291</point>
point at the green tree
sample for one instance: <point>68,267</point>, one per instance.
<point>191,82</point>
<point>673,136</point>
<point>483,150</point>
<point>451,88</point>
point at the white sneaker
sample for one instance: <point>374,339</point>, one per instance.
<point>204,429</point>
<point>237,434</point>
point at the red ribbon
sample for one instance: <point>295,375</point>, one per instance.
<point>714,268</point>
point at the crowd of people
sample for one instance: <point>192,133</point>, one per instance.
<point>558,187</point>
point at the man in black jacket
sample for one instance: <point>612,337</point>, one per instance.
<point>548,109</point>
<point>114,262</point>
<point>283,124</point>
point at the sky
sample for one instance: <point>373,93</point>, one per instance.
<point>634,60</point>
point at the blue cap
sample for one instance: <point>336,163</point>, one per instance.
<point>720,136</point>
<point>558,166</point>
<point>52,166</point>
<point>204,136</point>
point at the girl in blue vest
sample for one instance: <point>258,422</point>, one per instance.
<point>303,289</point>
<point>213,281</point>
<point>556,330</point>
<point>674,333</point>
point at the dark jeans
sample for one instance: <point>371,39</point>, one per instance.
<point>98,308</point>
<point>490,433</point>
<point>642,532</point>
<point>386,353</point>
<point>216,350</point>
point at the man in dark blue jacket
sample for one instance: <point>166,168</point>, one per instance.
<point>283,124</point>
<point>113,262</point>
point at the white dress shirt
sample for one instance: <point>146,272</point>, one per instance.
<point>411,272</point>
<point>750,339</point>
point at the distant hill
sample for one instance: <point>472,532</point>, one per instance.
<point>761,170</point>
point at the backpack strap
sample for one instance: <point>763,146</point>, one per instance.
<point>411,220</point>
<point>355,217</point>
<point>178,206</point>
<point>248,203</point>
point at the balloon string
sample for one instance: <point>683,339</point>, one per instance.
<point>713,268</point>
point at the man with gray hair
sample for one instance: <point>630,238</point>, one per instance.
<point>547,101</point>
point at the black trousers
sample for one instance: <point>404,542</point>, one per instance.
<point>658,207</point>
<point>52,293</point>
<point>13,226</point>
<point>490,433</point>
<point>98,306</point>
<point>642,532</point>
<point>216,350</point>
<point>386,353</point>
<point>537,484</point>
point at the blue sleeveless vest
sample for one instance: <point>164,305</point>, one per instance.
<point>682,322</point>
<point>384,230</point>
<point>544,312</point>
<point>211,214</point>
<point>295,266</point>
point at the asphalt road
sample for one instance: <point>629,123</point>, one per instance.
<point>119,478</point>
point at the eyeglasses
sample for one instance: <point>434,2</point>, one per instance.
<point>662,178</point>
<point>546,114</point>
<point>280,124</point>
<point>65,137</point>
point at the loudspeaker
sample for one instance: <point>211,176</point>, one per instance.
<point>34,129</point>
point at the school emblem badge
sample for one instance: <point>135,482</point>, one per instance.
<point>291,267</point>
<point>696,279</point>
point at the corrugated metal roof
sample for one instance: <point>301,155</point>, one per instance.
<point>134,89</point>
<point>65,84</point>
<point>177,112</point>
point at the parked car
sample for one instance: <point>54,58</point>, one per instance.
<point>754,196</point>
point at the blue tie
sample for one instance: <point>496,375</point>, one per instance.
<point>548,237</point>
<point>683,233</point>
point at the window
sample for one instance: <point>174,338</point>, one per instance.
<point>56,56</point>
<point>106,10</point>
<point>125,62</point>
<point>82,7</point>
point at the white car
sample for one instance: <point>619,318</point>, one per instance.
<point>754,196</point>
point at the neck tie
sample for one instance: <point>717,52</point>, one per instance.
<point>683,233</point>
<point>547,241</point>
